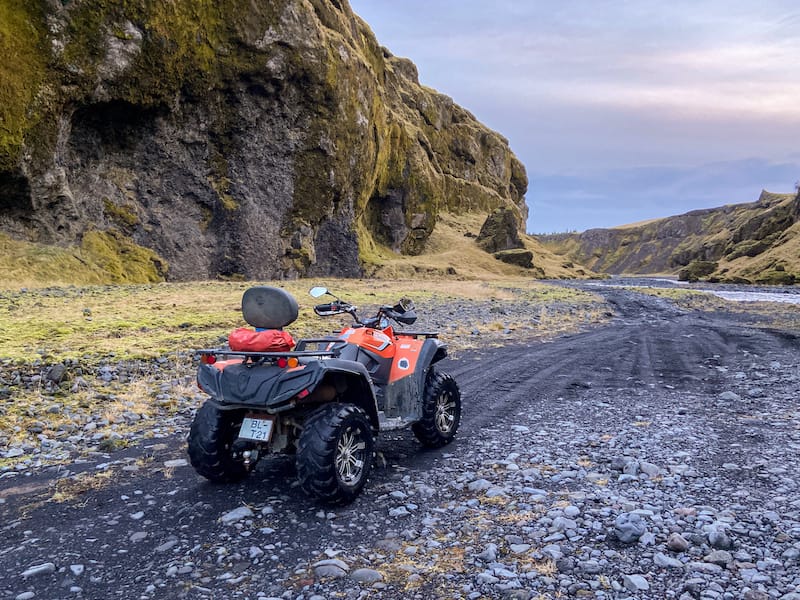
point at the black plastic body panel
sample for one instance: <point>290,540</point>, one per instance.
<point>272,389</point>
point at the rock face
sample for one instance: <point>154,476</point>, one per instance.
<point>758,242</point>
<point>230,137</point>
<point>500,231</point>
<point>520,257</point>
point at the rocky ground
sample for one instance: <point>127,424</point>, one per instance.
<point>652,457</point>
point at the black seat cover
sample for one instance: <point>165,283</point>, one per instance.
<point>268,307</point>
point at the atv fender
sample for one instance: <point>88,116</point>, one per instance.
<point>404,397</point>
<point>433,350</point>
<point>352,385</point>
<point>276,390</point>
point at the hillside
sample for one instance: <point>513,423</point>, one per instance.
<point>193,139</point>
<point>757,242</point>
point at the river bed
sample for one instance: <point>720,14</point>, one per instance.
<point>734,293</point>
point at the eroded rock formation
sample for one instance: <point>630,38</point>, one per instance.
<point>230,137</point>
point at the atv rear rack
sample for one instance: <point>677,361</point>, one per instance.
<point>209,355</point>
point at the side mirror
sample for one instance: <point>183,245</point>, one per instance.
<point>318,291</point>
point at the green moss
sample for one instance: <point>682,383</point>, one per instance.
<point>22,71</point>
<point>222,186</point>
<point>122,260</point>
<point>696,270</point>
<point>123,215</point>
<point>776,277</point>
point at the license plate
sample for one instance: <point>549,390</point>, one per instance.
<point>255,428</point>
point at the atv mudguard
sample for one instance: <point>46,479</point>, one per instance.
<point>272,389</point>
<point>403,398</point>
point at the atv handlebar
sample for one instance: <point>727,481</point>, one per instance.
<point>402,312</point>
<point>335,308</point>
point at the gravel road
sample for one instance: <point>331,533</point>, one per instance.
<point>651,457</point>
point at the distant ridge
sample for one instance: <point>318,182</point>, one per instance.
<point>756,242</point>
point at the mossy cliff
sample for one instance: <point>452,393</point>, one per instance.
<point>230,138</point>
<point>757,242</point>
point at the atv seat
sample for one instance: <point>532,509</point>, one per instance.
<point>266,307</point>
<point>269,310</point>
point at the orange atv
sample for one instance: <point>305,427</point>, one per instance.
<point>325,400</point>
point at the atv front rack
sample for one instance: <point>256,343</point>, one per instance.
<point>416,334</point>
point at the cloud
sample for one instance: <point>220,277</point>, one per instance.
<point>592,93</point>
<point>694,57</point>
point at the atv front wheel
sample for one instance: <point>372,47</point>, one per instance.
<point>334,453</point>
<point>213,450</point>
<point>441,411</point>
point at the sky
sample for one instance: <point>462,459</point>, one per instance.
<point>620,110</point>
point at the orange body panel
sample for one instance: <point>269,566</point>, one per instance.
<point>403,351</point>
<point>374,340</point>
<point>405,358</point>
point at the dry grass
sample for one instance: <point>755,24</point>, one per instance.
<point>70,488</point>
<point>145,321</point>
<point>451,252</point>
<point>155,329</point>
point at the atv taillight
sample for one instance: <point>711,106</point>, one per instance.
<point>208,359</point>
<point>284,362</point>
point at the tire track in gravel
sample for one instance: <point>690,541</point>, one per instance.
<point>649,345</point>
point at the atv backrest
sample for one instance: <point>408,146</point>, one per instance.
<point>268,307</point>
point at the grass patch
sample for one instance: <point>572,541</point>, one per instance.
<point>148,321</point>
<point>71,488</point>
<point>145,337</point>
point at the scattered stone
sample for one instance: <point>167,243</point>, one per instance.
<point>668,562</point>
<point>43,569</point>
<point>677,543</point>
<point>719,557</point>
<point>331,568</point>
<point>635,583</point>
<point>479,485</point>
<point>629,527</point>
<point>489,554</point>
<point>235,515</point>
<point>399,511</point>
<point>366,575</point>
<point>719,539</point>
<point>56,373</point>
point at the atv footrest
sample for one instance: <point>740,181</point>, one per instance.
<point>392,423</point>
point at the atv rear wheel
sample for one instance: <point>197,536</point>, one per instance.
<point>441,411</point>
<point>334,453</point>
<point>212,445</point>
